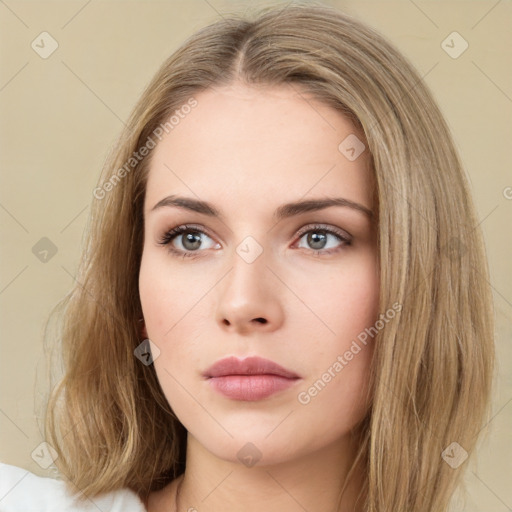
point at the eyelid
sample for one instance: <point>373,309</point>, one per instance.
<point>344,235</point>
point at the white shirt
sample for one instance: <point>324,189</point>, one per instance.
<point>23,491</point>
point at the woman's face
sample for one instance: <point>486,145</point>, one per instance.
<point>251,278</point>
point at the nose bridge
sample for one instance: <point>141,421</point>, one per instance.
<point>249,295</point>
<point>248,277</point>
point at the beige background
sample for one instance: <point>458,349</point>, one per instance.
<point>61,114</point>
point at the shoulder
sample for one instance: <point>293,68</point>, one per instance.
<point>23,491</point>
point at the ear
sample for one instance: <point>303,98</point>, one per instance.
<point>143,331</point>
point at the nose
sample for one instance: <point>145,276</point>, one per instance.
<point>250,297</point>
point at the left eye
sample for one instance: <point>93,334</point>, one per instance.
<point>317,237</point>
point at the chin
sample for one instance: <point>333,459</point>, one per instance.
<point>255,448</point>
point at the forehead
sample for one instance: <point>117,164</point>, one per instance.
<point>247,145</point>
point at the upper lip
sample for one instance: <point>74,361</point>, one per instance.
<point>248,366</point>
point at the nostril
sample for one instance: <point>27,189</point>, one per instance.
<point>261,320</point>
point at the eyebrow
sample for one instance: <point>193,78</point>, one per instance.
<point>284,211</point>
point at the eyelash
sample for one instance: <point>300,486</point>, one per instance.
<point>170,235</point>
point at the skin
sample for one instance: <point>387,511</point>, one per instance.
<point>248,150</point>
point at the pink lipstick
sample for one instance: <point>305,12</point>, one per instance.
<point>250,379</point>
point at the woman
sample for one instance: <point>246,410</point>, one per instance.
<point>283,301</point>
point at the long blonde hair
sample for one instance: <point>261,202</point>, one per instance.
<point>432,369</point>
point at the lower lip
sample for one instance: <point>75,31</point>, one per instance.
<point>250,387</point>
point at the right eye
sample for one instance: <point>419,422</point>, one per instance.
<point>190,240</point>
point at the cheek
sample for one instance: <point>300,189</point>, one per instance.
<point>172,300</point>
<point>154,296</point>
<point>344,300</point>
<point>336,401</point>
<point>340,358</point>
<point>355,305</point>
<point>168,295</point>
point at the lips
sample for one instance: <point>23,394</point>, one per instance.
<point>248,366</point>
<point>250,379</point>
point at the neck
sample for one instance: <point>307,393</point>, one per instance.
<point>311,482</point>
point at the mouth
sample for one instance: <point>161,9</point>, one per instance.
<point>250,379</point>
